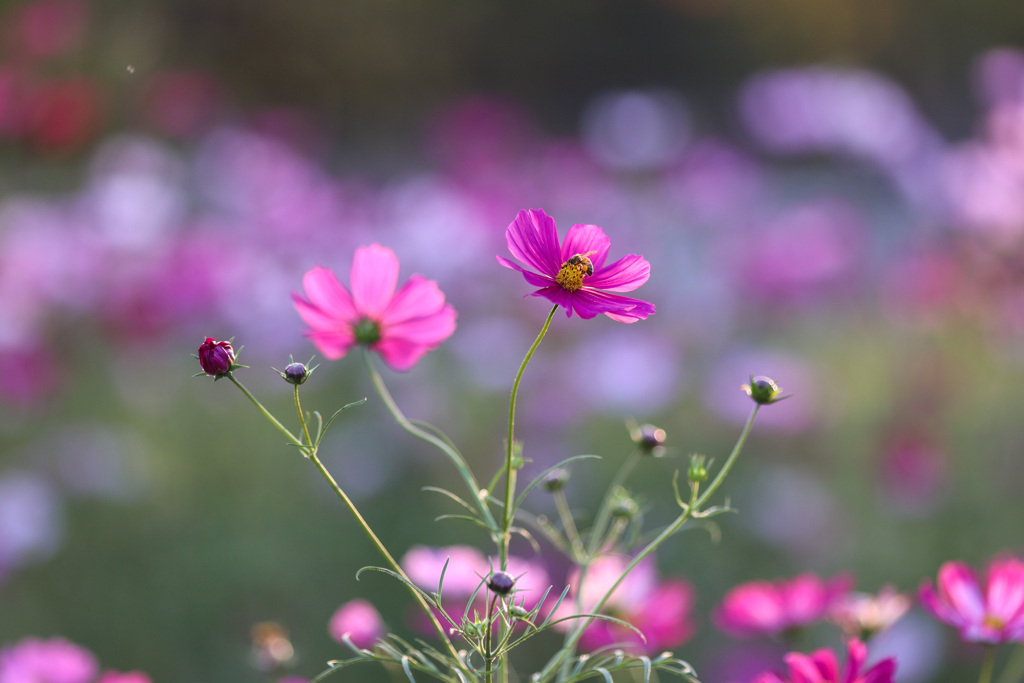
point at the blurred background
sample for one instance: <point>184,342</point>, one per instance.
<point>830,192</point>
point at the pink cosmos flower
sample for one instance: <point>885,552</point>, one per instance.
<point>993,614</point>
<point>766,608</point>
<point>823,667</point>
<point>359,620</point>
<point>33,660</point>
<point>574,275</point>
<point>402,326</point>
<point>129,677</point>
<point>660,610</point>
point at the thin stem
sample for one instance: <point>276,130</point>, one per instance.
<point>987,664</point>
<point>603,514</point>
<point>446,448</point>
<point>266,413</point>
<point>311,452</point>
<point>695,502</point>
<point>571,533</point>
<point>510,471</point>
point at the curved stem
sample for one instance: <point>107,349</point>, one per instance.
<point>695,502</point>
<point>510,471</point>
<point>601,521</point>
<point>477,495</point>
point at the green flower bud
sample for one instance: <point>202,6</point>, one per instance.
<point>556,480</point>
<point>697,472</point>
<point>763,390</point>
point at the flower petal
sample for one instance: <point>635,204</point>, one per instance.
<point>373,279</point>
<point>534,279</point>
<point>803,669</point>
<point>400,354</point>
<point>856,654</point>
<point>428,330</point>
<point>533,239</point>
<point>588,303</point>
<point>328,303</point>
<point>882,672</point>
<point>584,238</point>
<point>934,604</point>
<point>824,661</point>
<point>556,294</point>
<point>416,298</point>
<point>625,275</point>
<point>1004,589</point>
<point>959,589</point>
<point>333,344</point>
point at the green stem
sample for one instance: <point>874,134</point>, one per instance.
<point>1013,672</point>
<point>311,453</point>
<point>987,664</point>
<point>571,533</point>
<point>604,513</point>
<point>695,502</point>
<point>510,471</point>
<point>478,496</point>
<point>266,413</point>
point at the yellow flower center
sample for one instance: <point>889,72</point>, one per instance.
<point>570,275</point>
<point>994,622</point>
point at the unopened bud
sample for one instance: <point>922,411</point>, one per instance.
<point>501,583</point>
<point>763,390</point>
<point>296,373</point>
<point>649,439</point>
<point>556,480</point>
<point>698,471</point>
<point>216,358</point>
<point>624,508</point>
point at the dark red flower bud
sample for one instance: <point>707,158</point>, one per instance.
<point>501,583</point>
<point>216,357</point>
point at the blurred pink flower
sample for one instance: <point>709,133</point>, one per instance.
<point>767,608</point>
<point>466,571</point>
<point>401,326</point>
<point>129,677</point>
<point>34,660</point>
<point>661,611</point>
<point>990,614</point>
<point>46,28</point>
<point>63,114</point>
<point>862,615</point>
<point>574,274</point>
<point>359,620</point>
<point>823,667</point>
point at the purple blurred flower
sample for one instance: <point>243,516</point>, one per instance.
<point>820,109</point>
<point>31,520</point>
<point>999,76</point>
<point>660,610</point>
<point>635,130</point>
<point>769,608</point>
<point>568,276</point>
<point>401,326</point>
<point>823,667</point>
<point>34,660</point>
<point>46,28</point>
<point>359,620</point>
<point>990,614</point>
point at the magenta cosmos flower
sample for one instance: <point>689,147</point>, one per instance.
<point>402,326</point>
<point>359,621</point>
<point>993,614</point>
<point>574,275</point>
<point>216,357</point>
<point>823,667</point>
<point>768,608</point>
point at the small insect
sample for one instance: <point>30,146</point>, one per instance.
<point>582,260</point>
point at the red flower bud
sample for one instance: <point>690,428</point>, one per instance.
<point>216,357</point>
